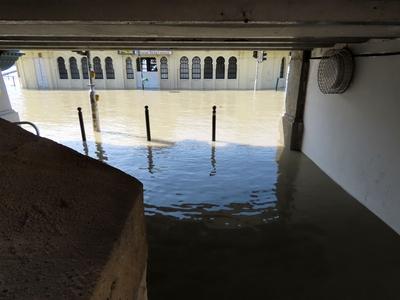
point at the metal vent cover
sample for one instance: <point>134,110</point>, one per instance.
<point>335,71</point>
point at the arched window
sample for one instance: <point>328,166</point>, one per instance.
<point>110,74</point>
<point>220,69</point>
<point>196,68</point>
<point>232,68</point>
<point>129,68</point>
<point>97,68</point>
<point>282,73</point>
<point>62,70</point>
<point>73,68</point>
<point>208,68</point>
<point>184,68</point>
<point>164,68</point>
<point>85,68</point>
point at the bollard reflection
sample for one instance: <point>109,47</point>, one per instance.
<point>150,162</point>
<point>85,148</point>
<point>213,162</point>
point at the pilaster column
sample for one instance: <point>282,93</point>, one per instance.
<point>293,126</point>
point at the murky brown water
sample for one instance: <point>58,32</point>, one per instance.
<point>238,219</point>
<point>243,117</point>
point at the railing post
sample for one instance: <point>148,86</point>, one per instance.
<point>81,124</point>
<point>146,112</point>
<point>214,120</point>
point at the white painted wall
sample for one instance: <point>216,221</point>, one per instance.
<point>6,111</point>
<point>268,70</point>
<point>355,137</point>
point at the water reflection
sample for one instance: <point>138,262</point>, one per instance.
<point>298,236</point>
<point>85,148</point>
<point>183,187</point>
<point>150,159</point>
<point>184,184</point>
<point>213,162</point>
<point>100,152</point>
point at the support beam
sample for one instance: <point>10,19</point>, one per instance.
<point>94,35</point>
<point>212,11</point>
<point>293,125</point>
<point>206,23</point>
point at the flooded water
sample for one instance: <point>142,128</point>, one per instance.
<point>184,174</point>
<point>237,219</point>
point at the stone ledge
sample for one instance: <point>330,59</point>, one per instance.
<point>71,227</point>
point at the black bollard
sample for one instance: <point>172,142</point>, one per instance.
<point>81,124</point>
<point>214,120</point>
<point>146,112</point>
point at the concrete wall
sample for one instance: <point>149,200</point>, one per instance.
<point>71,227</point>
<point>354,137</point>
<point>30,69</point>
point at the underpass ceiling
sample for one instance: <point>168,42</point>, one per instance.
<point>193,24</point>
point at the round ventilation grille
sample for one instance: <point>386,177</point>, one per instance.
<point>335,71</point>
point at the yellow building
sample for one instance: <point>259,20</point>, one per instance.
<point>155,69</point>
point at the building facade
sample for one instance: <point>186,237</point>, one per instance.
<point>154,69</point>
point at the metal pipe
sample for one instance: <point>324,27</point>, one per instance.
<point>29,123</point>
<point>255,77</point>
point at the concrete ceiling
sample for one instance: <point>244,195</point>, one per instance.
<point>193,24</point>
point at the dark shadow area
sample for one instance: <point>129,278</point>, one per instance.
<point>324,245</point>
<point>244,222</point>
